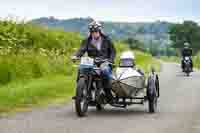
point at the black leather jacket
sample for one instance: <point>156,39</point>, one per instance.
<point>187,52</point>
<point>107,49</point>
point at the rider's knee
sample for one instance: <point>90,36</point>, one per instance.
<point>106,71</point>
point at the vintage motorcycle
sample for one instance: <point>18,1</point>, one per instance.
<point>126,90</point>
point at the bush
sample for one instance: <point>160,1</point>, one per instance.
<point>197,61</point>
<point>22,35</point>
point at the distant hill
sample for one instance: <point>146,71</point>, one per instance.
<point>146,32</point>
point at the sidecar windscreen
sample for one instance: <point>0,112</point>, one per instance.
<point>126,63</point>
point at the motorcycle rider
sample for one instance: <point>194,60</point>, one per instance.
<point>99,45</point>
<point>186,52</point>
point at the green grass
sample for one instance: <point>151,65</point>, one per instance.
<point>32,65</point>
<point>197,61</point>
<point>146,61</point>
<point>35,92</point>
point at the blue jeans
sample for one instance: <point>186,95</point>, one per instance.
<point>106,74</point>
<point>106,71</point>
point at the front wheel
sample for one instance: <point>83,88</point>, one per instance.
<point>81,102</point>
<point>188,74</point>
<point>99,107</point>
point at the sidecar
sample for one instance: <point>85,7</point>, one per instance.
<point>130,86</point>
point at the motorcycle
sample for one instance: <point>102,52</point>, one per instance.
<point>187,66</point>
<point>90,91</point>
<point>128,87</point>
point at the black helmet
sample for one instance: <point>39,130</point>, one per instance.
<point>186,44</point>
<point>95,27</point>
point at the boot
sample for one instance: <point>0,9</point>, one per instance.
<point>109,96</point>
<point>107,85</point>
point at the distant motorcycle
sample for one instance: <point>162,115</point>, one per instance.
<point>187,65</point>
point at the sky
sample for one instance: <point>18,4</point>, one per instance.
<point>105,10</point>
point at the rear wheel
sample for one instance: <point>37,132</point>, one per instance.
<point>152,105</point>
<point>157,86</point>
<point>81,102</point>
<point>153,93</point>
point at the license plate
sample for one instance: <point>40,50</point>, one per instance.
<point>87,61</point>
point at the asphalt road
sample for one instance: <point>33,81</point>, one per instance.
<point>179,112</point>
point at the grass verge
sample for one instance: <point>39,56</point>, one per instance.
<point>23,95</point>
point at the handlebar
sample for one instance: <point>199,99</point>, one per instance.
<point>96,60</point>
<point>100,60</point>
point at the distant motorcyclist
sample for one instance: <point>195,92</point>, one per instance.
<point>186,52</point>
<point>99,45</point>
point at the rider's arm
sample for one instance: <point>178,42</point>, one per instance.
<point>191,51</point>
<point>82,49</point>
<point>183,52</point>
<point>112,51</point>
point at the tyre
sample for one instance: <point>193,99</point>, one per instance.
<point>99,107</point>
<point>81,102</point>
<point>153,93</point>
<point>152,105</point>
<point>188,70</point>
<point>188,74</point>
<point>157,82</point>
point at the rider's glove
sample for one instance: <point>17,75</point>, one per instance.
<point>74,58</point>
<point>110,60</point>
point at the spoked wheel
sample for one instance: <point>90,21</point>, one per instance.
<point>81,101</point>
<point>153,93</point>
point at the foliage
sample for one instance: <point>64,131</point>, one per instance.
<point>189,32</point>
<point>144,32</point>
<point>197,60</point>
<point>135,44</point>
<point>23,35</point>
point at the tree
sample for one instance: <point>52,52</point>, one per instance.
<point>135,44</point>
<point>189,32</point>
<point>154,48</point>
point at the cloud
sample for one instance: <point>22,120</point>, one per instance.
<point>113,10</point>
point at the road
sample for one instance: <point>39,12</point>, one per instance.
<point>179,112</point>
